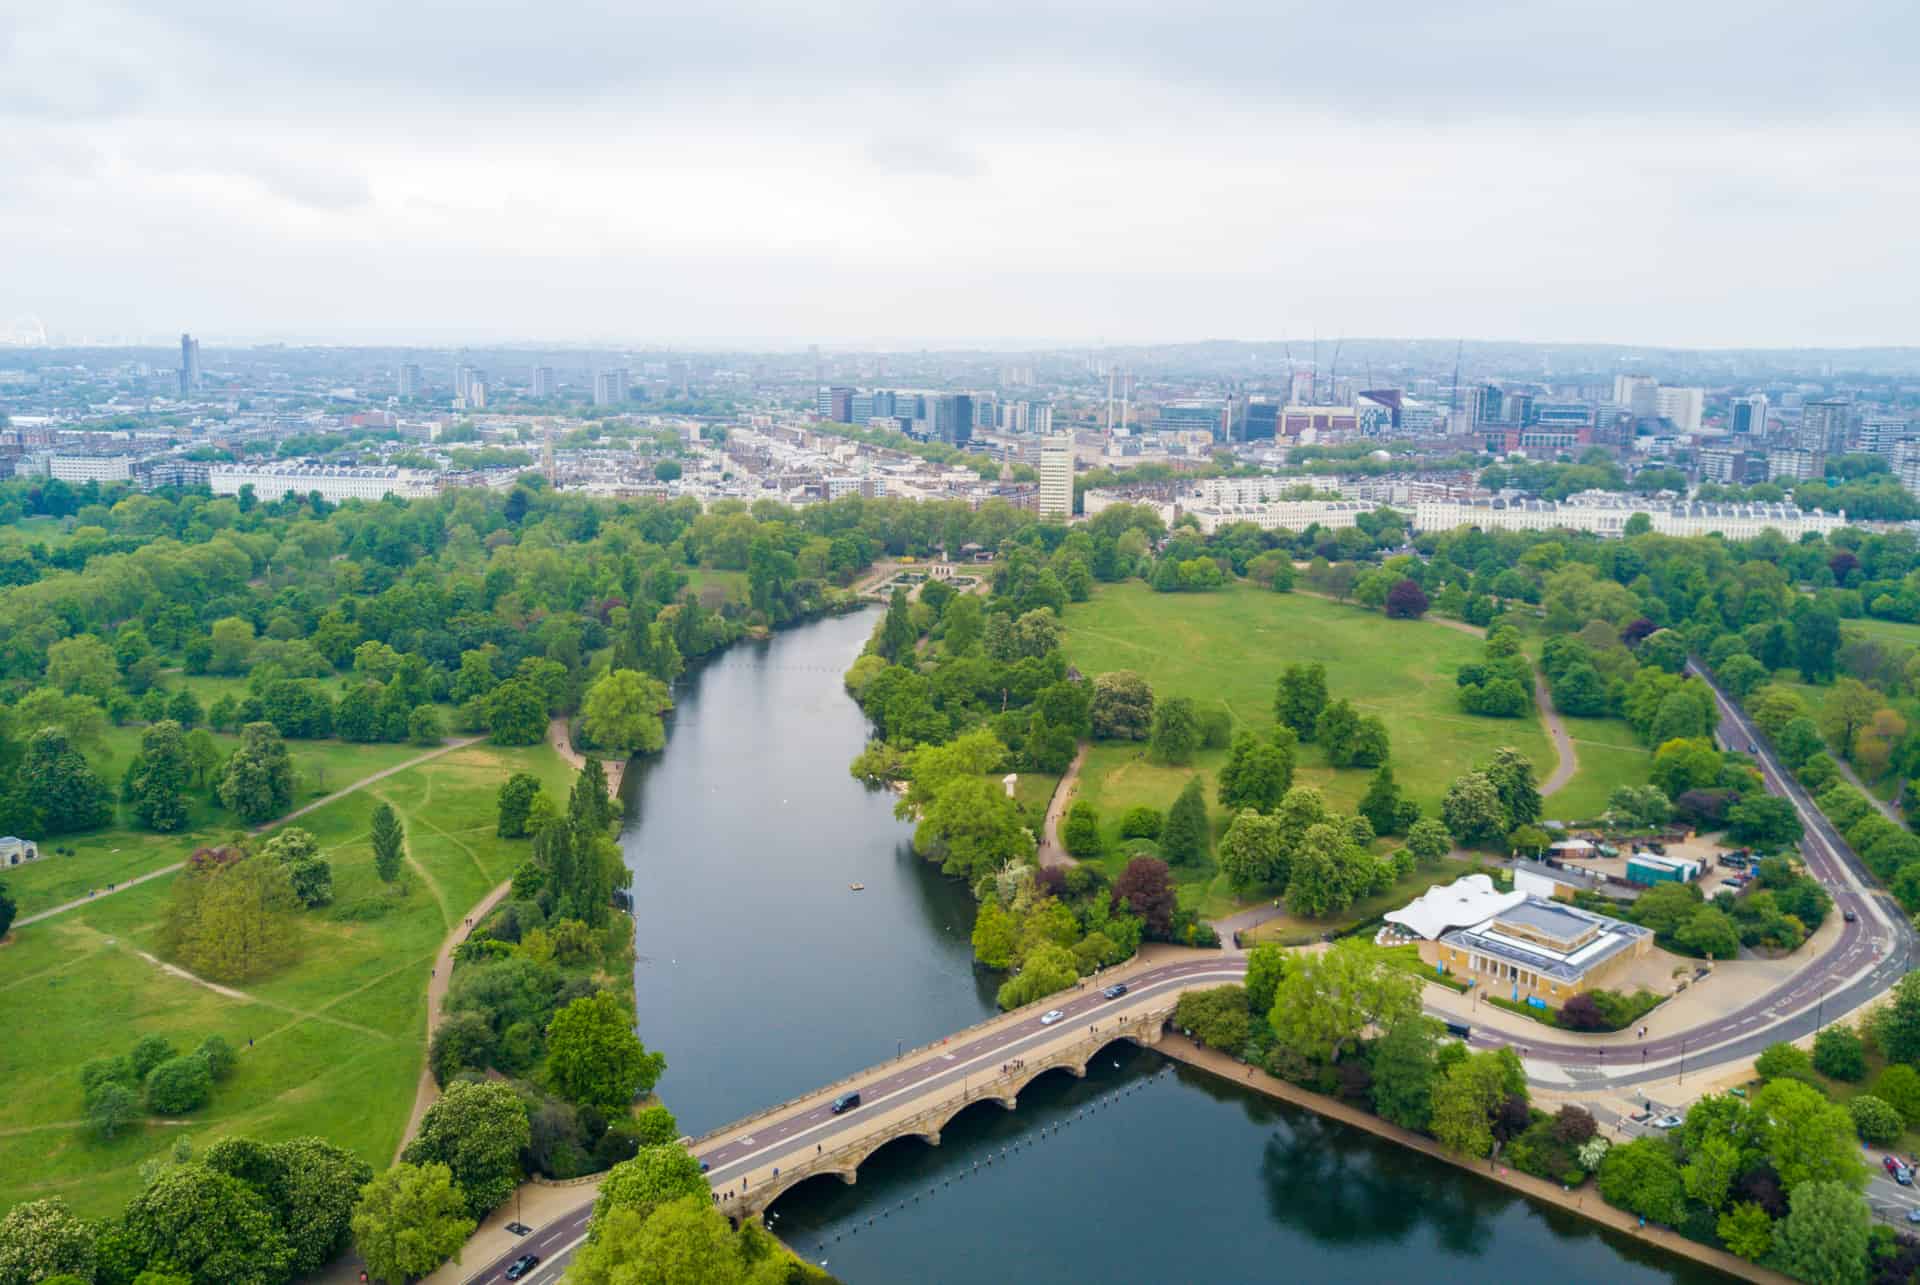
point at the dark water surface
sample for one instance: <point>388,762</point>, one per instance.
<point>762,976</point>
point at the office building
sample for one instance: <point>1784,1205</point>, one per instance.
<point>1681,407</point>
<point>1261,421</point>
<point>1732,466</point>
<point>169,471</point>
<point>189,365</point>
<point>834,404</point>
<point>462,378</point>
<point>409,383</point>
<point>1488,404</point>
<point>1906,465</point>
<point>543,384</point>
<point>1749,414</point>
<point>610,387</point>
<point>1823,426</point>
<point>951,418</point>
<point>1638,393</point>
<point>1880,434</point>
<point>477,393</point>
<point>1563,415</point>
<point>1795,464</point>
<point>1056,477</point>
<point>1195,414</point>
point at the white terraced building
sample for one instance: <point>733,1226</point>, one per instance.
<point>1609,517</point>
<point>1280,515</point>
<point>335,483</point>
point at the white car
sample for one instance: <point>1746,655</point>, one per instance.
<point>1668,1122</point>
<point>1048,1019</point>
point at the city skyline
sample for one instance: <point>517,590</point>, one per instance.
<point>1125,177</point>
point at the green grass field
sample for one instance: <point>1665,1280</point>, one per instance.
<point>1892,632</point>
<point>1230,646</point>
<point>331,1045</point>
<point>1610,756</point>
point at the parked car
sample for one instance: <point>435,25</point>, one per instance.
<point>1900,1173</point>
<point>1668,1122</point>
<point>522,1265</point>
<point>1049,1018</point>
<point>1116,990</point>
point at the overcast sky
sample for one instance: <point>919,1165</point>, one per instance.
<point>1688,172</point>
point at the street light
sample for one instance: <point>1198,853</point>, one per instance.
<point>1683,1062</point>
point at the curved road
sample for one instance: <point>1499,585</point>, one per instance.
<point>1871,954</point>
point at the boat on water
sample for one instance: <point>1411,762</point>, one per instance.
<point>856,887</point>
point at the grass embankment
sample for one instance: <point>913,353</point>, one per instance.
<point>331,1045</point>
<point>1291,930</point>
<point>1610,756</point>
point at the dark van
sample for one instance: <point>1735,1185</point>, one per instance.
<point>845,1102</point>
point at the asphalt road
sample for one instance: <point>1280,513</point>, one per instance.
<point>1871,955</point>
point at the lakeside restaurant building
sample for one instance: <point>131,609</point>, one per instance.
<point>1517,944</point>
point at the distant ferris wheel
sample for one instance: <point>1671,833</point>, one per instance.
<point>25,332</point>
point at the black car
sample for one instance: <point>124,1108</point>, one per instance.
<point>1850,916</point>
<point>845,1103</point>
<point>1116,990</point>
<point>522,1265</point>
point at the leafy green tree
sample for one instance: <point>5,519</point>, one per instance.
<point>232,920</point>
<point>54,780</point>
<point>1783,1061</point>
<point>409,1221</point>
<point>1472,809</point>
<point>1429,841</point>
<point>516,713</point>
<point>258,780</point>
<point>1252,851</point>
<point>975,828</point>
<point>8,909</point>
<point>232,646</point>
<point>1708,1175</point>
<point>1512,775</point>
<point>178,1086</point>
<point>208,1225</point>
<point>1839,1054</point>
<point>1468,1094</point>
<point>1301,695</point>
<point>1046,968</point>
<point>1809,1139</point>
<point>218,1055</point>
<point>1266,965</point>
<point>425,726</point>
<point>41,1239</point>
<point>478,1131</point>
<point>1747,1230</point>
<point>1825,1235</point>
<point>514,800</point>
<point>1896,1024</point>
<point>654,1177</point>
<point>1325,1001</point>
<point>1176,730</point>
<point>594,1056</point>
<point>1217,1016</point>
<point>389,842</point>
<point>1405,1068</point>
<point>1141,822</point>
<point>149,1052</point>
<point>1081,833</point>
<point>82,666</point>
<point>622,713</point>
<point>1710,933</point>
<point>1122,707</point>
<point>1183,840</point>
<point>1382,804</point>
<point>1641,1177</point>
<point>156,782</point>
<point>1875,1121</point>
<point>111,1107</point>
<point>1256,775</point>
<point>1899,1086</point>
<point>1764,821</point>
<point>896,636</point>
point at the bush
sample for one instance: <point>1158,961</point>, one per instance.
<point>1874,1120</point>
<point>218,1055</point>
<point>150,1052</point>
<point>1838,1053</point>
<point>179,1085</point>
<point>1080,834</point>
<point>1783,1061</point>
<point>1140,822</point>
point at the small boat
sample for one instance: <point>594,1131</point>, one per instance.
<point>856,887</point>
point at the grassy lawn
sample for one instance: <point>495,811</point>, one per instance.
<point>1230,646</point>
<point>1892,632</point>
<point>1610,756</point>
<point>733,582</point>
<point>337,1038</point>
<point>1289,930</point>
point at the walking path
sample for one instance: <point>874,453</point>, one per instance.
<point>262,828</point>
<point>1539,1189</point>
<point>561,738</point>
<point>1890,811</point>
<point>427,1092</point>
<point>1051,853</point>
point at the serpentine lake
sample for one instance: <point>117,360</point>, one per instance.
<point>762,976</point>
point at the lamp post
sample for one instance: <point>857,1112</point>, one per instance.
<point>1683,1062</point>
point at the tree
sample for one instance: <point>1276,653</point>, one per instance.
<point>1747,1231</point>
<point>1764,821</point>
<point>1081,833</point>
<point>1176,730</point>
<point>1046,968</point>
<point>1897,1023</point>
<point>1252,851</point>
<point>150,1051</point>
<point>1406,601</point>
<point>1468,1094</point>
<point>1709,1173</point>
<point>594,1056</point>
<point>208,1225</point>
<point>178,1086</point>
<point>516,713</point>
<point>514,800</point>
<point>1639,805</point>
<point>1839,1054</point>
<point>389,842</point>
<point>232,640</point>
<point>258,781</point>
<point>54,780</point>
<point>1512,777</point>
<point>1875,1121</point>
<point>203,756</point>
<point>654,1177</point>
<point>1472,809</point>
<point>1810,1139</point>
<point>1783,1061</point>
<point>409,1221</point>
<point>232,920</point>
<point>1710,933</point>
<point>1816,640</point>
<point>1325,1001</point>
<point>425,726</point>
<point>111,1107</point>
<point>622,713</point>
<point>82,666</point>
<point>1302,694</point>
<point>1141,822</point>
<point>1381,805</point>
<point>1799,741</point>
<point>156,784</point>
<point>1642,1178</point>
<point>1899,1086</point>
<point>40,1239</point>
<point>1266,965</point>
<point>1257,773</point>
<point>1217,1016</point>
<point>478,1132</point>
<point>1825,1234</point>
<point>1405,1066</point>
<point>1428,840</point>
<point>1183,840</point>
<point>1146,889</point>
<point>975,828</point>
<point>1122,706</point>
<point>8,909</point>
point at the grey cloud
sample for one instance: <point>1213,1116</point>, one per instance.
<point>287,176</point>
<point>923,156</point>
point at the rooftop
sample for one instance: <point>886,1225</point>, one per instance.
<point>1471,899</point>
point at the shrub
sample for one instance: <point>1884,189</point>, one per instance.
<point>1140,822</point>
<point>150,1052</point>
<point>1080,835</point>
<point>218,1055</point>
<point>1838,1052</point>
<point>1783,1061</point>
<point>1874,1120</point>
